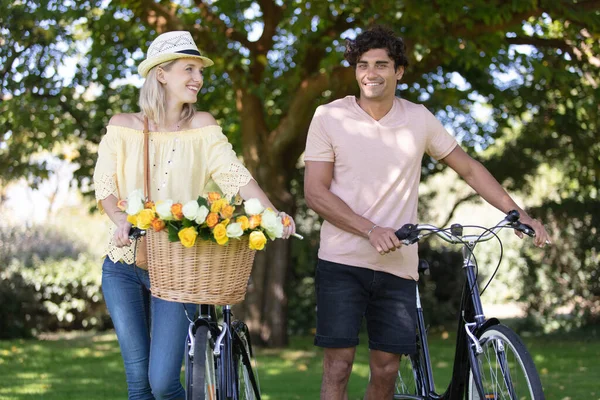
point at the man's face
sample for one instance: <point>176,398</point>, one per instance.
<point>376,75</point>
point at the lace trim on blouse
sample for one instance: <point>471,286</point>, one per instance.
<point>230,182</point>
<point>104,186</point>
<point>123,254</point>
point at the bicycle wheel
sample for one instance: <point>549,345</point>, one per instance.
<point>248,387</point>
<point>410,383</point>
<point>507,370</point>
<point>200,375</point>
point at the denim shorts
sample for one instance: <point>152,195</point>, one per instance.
<point>345,294</point>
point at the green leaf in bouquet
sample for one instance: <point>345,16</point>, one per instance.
<point>203,202</point>
<point>205,234</point>
<point>187,223</point>
<point>173,231</point>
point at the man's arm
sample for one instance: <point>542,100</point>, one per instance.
<point>317,182</point>
<point>480,179</point>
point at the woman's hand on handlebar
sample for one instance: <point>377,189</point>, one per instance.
<point>121,235</point>
<point>384,240</point>
<point>289,226</point>
<point>541,238</point>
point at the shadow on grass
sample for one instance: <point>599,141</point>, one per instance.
<point>85,367</point>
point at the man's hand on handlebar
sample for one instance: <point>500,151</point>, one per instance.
<point>384,240</point>
<point>541,238</point>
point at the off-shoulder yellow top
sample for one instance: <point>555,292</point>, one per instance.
<point>183,165</point>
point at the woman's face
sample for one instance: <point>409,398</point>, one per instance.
<point>183,80</point>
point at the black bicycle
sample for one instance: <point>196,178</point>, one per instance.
<point>219,361</point>
<point>491,362</point>
<point>219,358</point>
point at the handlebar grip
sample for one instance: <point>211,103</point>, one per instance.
<point>135,233</point>
<point>404,232</point>
<point>526,229</point>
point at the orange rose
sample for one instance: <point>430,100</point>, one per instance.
<point>227,211</point>
<point>177,211</point>
<point>122,204</point>
<point>149,205</point>
<point>254,221</point>
<point>243,221</point>
<point>212,219</point>
<point>158,225</point>
<point>213,196</point>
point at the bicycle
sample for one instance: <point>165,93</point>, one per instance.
<point>491,361</point>
<point>218,357</point>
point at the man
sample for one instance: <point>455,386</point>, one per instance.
<point>363,162</point>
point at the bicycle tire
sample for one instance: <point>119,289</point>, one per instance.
<point>507,369</point>
<point>200,368</point>
<point>247,385</point>
<point>410,382</point>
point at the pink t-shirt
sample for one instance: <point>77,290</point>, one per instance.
<point>377,168</point>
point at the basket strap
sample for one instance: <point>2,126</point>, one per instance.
<point>146,160</point>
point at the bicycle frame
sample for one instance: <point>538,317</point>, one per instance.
<point>466,341</point>
<point>226,337</point>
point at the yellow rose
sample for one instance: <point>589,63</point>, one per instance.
<point>220,234</point>
<point>257,240</point>
<point>132,219</point>
<point>188,236</point>
<point>212,219</point>
<point>213,196</point>
<point>144,218</point>
<point>218,205</point>
<point>243,220</point>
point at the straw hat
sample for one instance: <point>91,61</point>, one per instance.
<point>171,46</point>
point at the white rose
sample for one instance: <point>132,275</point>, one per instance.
<point>253,207</point>
<point>234,230</point>
<point>163,209</point>
<point>190,210</point>
<point>201,215</point>
<point>135,202</point>
<point>271,223</point>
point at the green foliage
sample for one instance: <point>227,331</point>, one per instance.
<point>46,284</point>
<point>566,278</point>
<point>532,65</point>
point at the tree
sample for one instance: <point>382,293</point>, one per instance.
<point>276,61</point>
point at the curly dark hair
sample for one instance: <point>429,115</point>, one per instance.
<point>377,37</point>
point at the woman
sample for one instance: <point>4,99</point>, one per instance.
<point>187,150</point>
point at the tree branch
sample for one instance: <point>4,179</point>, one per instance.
<point>160,17</point>
<point>212,19</point>
<point>272,14</point>
<point>303,105</point>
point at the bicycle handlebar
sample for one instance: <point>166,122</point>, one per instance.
<point>411,233</point>
<point>136,233</point>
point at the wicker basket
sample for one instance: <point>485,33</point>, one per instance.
<point>206,273</point>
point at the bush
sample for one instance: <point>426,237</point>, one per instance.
<point>50,296</point>
<point>47,282</point>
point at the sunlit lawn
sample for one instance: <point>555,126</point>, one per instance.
<point>89,366</point>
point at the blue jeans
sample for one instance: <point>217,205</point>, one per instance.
<point>151,332</point>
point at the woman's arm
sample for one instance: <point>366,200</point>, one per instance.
<point>252,190</point>
<point>121,235</point>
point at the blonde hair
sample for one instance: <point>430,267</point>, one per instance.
<point>153,98</point>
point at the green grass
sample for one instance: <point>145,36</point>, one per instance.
<point>88,366</point>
